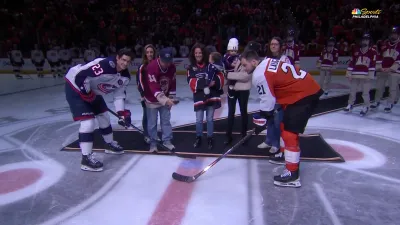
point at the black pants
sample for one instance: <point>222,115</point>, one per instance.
<point>144,119</point>
<point>243,98</point>
<point>296,116</point>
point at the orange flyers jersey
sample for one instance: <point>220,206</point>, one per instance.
<point>279,82</point>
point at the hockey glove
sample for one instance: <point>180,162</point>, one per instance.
<point>124,118</point>
<point>260,122</point>
<point>89,97</point>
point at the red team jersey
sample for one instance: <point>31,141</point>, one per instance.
<point>362,64</point>
<point>159,81</point>
<point>293,52</point>
<point>328,58</point>
<point>279,82</point>
<point>389,54</point>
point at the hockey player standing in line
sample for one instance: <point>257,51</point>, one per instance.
<point>361,71</point>
<point>159,92</point>
<point>37,58</point>
<point>386,66</point>
<point>84,89</point>
<point>273,137</point>
<point>89,55</point>
<point>53,59</point>
<point>327,63</point>
<point>17,61</point>
<point>292,50</point>
<point>206,83</point>
<point>65,59</point>
<point>298,94</point>
<point>141,78</point>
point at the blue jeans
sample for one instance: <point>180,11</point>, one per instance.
<point>210,121</point>
<point>165,122</point>
<point>274,130</point>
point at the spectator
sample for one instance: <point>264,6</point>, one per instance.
<point>159,91</point>
<point>148,55</point>
<point>206,83</point>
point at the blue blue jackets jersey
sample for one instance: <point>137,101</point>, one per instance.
<point>99,76</point>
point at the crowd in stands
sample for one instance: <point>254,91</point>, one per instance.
<point>180,23</point>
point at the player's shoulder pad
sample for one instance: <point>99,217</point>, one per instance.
<point>260,69</point>
<point>126,73</point>
<point>109,65</point>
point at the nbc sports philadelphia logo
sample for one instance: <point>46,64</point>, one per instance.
<point>365,13</point>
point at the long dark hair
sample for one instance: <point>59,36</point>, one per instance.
<point>269,53</point>
<point>145,61</point>
<point>192,59</point>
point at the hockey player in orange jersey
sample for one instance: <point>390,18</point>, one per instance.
<point>297,92</point>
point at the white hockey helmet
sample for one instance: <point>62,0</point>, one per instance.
<point>233,44</point>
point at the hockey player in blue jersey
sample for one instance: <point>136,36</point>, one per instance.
<point>85,86</point>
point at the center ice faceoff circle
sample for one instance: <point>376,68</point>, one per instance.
<point>357,156</point>
<point>25,179</point>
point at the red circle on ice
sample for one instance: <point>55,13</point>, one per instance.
<point>348,153</point>
<point>16,179</point>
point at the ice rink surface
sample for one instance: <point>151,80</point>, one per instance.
<point>39,184</point>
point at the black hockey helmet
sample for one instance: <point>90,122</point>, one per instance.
<point>366,36</point>
<point>394,34</point>
<point>291,32</point>
<point>395,30</point>
<point>331,41</point>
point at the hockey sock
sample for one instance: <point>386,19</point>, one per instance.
<point>282,148</point>
<point>107,134</point>
<point>86,136</point>
<point>292,150</point>
<point>105,127</point>
<point>17,71</point>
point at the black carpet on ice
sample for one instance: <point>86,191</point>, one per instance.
<point>313,146</point>
<point>327,105</point>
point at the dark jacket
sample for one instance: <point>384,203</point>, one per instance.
<point>199,77</point>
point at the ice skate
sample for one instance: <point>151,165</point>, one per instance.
<point>388,108</point>
<point>114,148</point>
<point>278,159</point>
<point>364,111</point>
<point>348,108</point>
<point>375,105</point>
<point>288,179</point>
<point>90,163</point>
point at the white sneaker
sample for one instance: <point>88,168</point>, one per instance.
<point>263,145</point>
<point>273,150</point>
<point>169,145</point>
<point>153,148</point>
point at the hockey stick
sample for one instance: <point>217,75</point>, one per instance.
<point>189,179</point>
<point>159,144</point>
